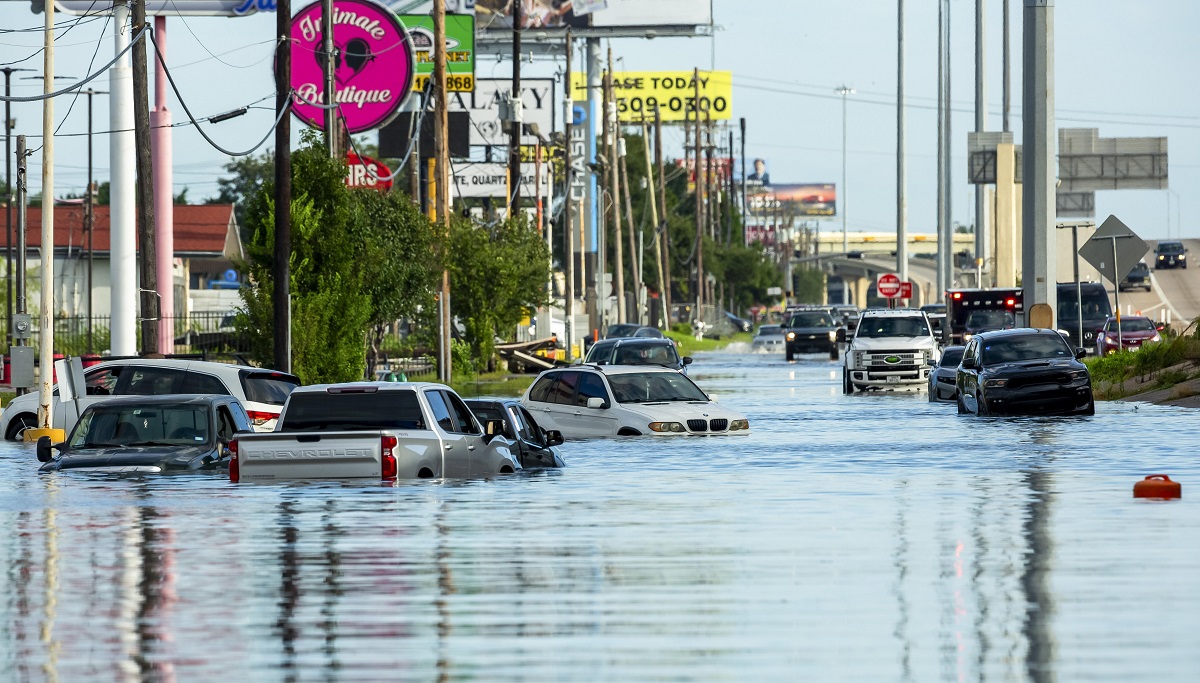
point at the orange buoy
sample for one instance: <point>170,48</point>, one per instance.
<point>1157,486</point>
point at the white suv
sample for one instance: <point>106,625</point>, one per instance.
<point>262,392</point>
<point>891,349</point>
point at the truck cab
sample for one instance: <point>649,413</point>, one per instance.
<point>891,349</point>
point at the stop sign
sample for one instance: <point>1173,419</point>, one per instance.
<point>888,285</point>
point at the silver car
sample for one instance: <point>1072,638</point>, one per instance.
<point>942,379</point>
<point>769,339</point>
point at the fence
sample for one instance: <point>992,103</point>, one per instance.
<point>204,333</point>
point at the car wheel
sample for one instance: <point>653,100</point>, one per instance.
<point>789,354</point>
<point>932,391</point>
<point>833,352</point>
<point>16,428</point>
<point>847,385</point>
<point>1091,407</point>
<point>962,409</point>
<point>980,407</point>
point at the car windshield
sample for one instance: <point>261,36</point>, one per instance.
<point>810,320</point>
<point>1132,325</point>
<point>769,331</point>
<point>1023,348</point>
<point>992,320</point>
<point>880,326</point>
<point>1170,247</point>
<point>649,387</point>
<point>1095,304</point>
<point>951,358</point>
<point>105,426</point>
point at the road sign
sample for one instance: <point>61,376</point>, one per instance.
<point>1113,242</point>
<point>905,290</point>
<point>888,285</point>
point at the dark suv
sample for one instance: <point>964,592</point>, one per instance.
<point>1137,278</point>
<point>1170,255</point>
<point>811,331</point>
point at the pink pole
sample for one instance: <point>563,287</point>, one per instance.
<point>164,197</point>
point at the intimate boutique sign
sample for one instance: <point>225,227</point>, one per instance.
<point>373,65</point>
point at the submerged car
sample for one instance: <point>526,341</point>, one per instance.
<point>944,376</point>
<point>1024,371</point>
<point>768,339</point>
<point>637,351</point>
<point>1134,332</point>
<point>533,446</point>
<point>589,401</point>
<point>149,434</point>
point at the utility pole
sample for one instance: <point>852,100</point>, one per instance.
<point>90,217</point>
<point>981,227</point>
<point>699,199</point>
<point>331,58</point>
<point>1039,274</point>
<point>661,218</point>
<point>611,130</point>
<point>145,188</point>
<point>164,195</point>
<point>650,193</point>
<point>1006,58</point>
<point>742,125</point>
<point>635,259</point>
<point>901,165</point>
<point>947,255</point>
<point>46,340</point>
<point>281,295</point>
<point>569,205</point>
<point>442,151</point>
<point>590,244</point>
<point>8,192</point>
<point>730,194</point>
<point>843,91</point>
<point>514,141</point>
<point>943,245</point>
<point>22,201</point>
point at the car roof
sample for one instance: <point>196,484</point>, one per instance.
<point>1113,318</point>
<point>635,341</point>
<point>1016,332</point>
<point>611,369</point>
<point>893,312</point>
<point>166,399</point>
<point>378,386</point>
<point>187,364</point>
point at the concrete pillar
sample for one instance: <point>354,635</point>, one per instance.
<point>1005,270</point>
<point>861,285</point>
<point>122,219</point>
<point>164,196</point>
<point>1038,147</point>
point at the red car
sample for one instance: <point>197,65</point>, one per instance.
<point>1135,331</point>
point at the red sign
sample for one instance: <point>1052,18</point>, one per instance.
<point>365,172</point>
<point>888,285</point>
<point>905,290</point>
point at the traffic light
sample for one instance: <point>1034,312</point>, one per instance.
<point>37,6</point>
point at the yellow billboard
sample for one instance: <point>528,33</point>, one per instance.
<point>673,93</point>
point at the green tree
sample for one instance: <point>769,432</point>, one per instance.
<point>250,175</point>
<point>497,274</point>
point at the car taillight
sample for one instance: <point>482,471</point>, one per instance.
<point>260,417</point>
<point>388,457</point>
<point>234,470</point>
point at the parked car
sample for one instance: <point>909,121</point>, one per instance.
<point>942,379</point>
<point>768,339</point>
<point>622,400</point>
<point>1135,331</point>
<point>1170,255</point>
<point>813,331</point>
<point>149,434</point>
<point>373,430</point>
<point>741,324</point>
<point>534,446</point>
<point>1138,278</point>
<point>262,392</point>
<point>1023,371</point>
<point>633,351</point>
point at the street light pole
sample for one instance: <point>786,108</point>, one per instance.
<point>844,91</point>
<point>8,193</point>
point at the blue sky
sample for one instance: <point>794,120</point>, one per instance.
<point>1124,68</point>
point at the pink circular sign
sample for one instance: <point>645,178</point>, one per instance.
<point>373,66</point>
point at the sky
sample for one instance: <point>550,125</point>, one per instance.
<point>1123,68</point>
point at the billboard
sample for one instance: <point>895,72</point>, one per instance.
<point>490,179</point>
<point>673,93</point>
<point>813,200</point>
<point>460,50</point>
<point>496,15</point>
<point>537,98</point>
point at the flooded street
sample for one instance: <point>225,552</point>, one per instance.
<point>873,538</point>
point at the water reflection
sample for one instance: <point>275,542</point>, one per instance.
<point>866,538</point>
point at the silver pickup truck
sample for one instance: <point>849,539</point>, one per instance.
<point>376,430</point>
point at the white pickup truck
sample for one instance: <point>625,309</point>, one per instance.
<point>891,349</point>
<point>376,430</point>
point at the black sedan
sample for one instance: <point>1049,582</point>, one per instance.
<point>149,434</point>
<point>811,331</point>
<point>535,446</point>
<point>1023,372</point>
<point>944,376</point>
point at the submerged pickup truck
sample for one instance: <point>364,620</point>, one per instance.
<point>375,430</point>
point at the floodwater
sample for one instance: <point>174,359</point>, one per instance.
<point>856,538</point>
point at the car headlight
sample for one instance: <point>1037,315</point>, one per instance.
<point>995,383</point>
<point>967,337</point>
<point>833,335</point>
<point>1181,257</point>
<point>791,336</point>
<point>1103,339</point>
<point>666,427</point>
<point>1156,337</point>
<point>736,425</point>
<point>1078,374</point>
<point>1162,257</point>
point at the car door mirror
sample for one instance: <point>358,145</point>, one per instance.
<point>596,402</point>
<point>1080,353</point>
<point>968,363</point>
<point>553,438</point>
<point>712,397</point>
<point>45,450</point>
<point>841,334</point>
<point>687,360</point>
<point>492,429</point>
